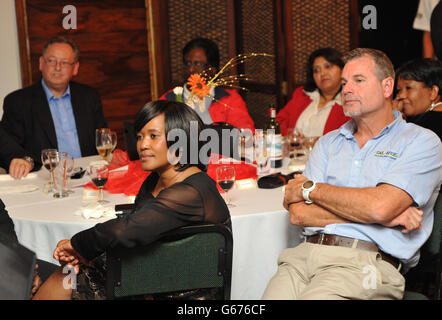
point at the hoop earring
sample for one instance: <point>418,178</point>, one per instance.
<point>434,105</point>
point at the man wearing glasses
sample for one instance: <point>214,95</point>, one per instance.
<point>223,105</point>
<point>55,112</point>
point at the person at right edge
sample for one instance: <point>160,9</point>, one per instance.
<point>366,196</point>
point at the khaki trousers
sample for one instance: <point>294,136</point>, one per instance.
<point>319,272</point>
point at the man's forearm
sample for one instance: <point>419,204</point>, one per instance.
<point>311,215</point>
<point>364,205</point>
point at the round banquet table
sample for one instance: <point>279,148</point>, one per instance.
<point>261,228</point>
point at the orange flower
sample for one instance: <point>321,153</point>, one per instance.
<point>198,85</point>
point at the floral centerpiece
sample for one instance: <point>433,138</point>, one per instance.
<point>200,84</point>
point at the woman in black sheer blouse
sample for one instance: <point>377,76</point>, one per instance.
<point>419,92</point>
<point>178,192</point>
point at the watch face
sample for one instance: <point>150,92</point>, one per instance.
<point>307,184</point>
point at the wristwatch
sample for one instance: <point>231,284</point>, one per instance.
<point>307,187</point>
<point>30,160</point>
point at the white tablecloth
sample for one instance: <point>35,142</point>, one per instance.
<point>261,228</point>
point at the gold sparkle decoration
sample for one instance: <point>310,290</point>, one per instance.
<point>206,79</point>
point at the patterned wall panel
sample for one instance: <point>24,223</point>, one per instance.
<point>195,19</point>
<point>258,36</point>
<point>257,26</point>
<point>316,24</point>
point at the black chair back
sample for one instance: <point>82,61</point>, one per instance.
<point>191,257</point>
<point>17,265</point>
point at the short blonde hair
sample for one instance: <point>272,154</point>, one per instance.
<point>383,66</point>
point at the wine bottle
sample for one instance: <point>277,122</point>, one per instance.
<point>274,139</point>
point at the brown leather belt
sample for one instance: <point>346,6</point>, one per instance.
<point>333,240</point>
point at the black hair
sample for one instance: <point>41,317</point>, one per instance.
<point>210,49</point>
<point>177,115</point>
<point>428,71</point>
<point>331,55</point>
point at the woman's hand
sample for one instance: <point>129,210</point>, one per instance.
<point>410,219</point>
<point>66,254</point>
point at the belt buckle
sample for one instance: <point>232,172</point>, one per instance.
<point>321,238</point>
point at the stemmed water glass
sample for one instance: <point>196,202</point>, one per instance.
<point>103,142</point>
<point>225,176</point>
<point>69,172</point>
<point>260,150</point>
<point>99,173</point>
<point>61,161</point>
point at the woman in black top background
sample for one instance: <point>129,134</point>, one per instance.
<point>419,90</point>
<point>176,193</point>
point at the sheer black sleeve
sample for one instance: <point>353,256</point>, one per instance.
<point>7,230</point>
<point>174,207</point>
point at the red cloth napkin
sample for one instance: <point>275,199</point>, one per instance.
<point>127,182</point>
<point>130,181</point>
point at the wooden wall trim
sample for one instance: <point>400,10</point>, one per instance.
<point>280,53</point>
<point>231,27</point>
<point>354,24</point>
<point>23,42</point>
<point>158,46</point>
<point>154,90</point>
<point>289,65</point>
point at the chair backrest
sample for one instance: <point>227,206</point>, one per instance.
<point>130,140</point>
<point>17,265</point>
<point>187,258</point>
<point>433,244</point>
<point>431,257</point>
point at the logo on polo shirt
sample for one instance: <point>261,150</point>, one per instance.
<point>387,154</point>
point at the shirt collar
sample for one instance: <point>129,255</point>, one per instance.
<point>314,95</point>
<point>50,95</point>
<point>348,128</point>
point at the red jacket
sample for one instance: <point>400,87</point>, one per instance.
<point>289,115</point>
<point>235,113</point>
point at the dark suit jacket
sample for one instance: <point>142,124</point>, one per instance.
<point>27,117</point>
<point>10,149</point>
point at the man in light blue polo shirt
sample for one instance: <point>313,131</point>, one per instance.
<point>366,200</point>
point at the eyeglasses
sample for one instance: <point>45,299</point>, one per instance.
<point>196,64</point>
<point>53,62</point>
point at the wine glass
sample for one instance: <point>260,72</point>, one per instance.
<point>113,139</point>
<point>309,143</point>
<point>103,142</point>
<point>46,163</point>
<point>99,173</point>
<point>225,176</point>
<point>296,145</point>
